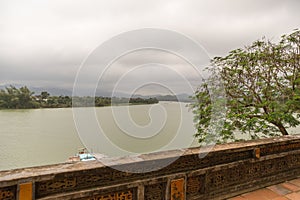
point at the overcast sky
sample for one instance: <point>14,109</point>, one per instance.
<point>44,42</point>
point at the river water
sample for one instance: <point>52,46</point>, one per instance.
<point>34,137</point>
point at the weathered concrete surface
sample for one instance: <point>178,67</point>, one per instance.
<point>223,171</point>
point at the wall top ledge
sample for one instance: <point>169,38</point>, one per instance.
<point>52,170</point>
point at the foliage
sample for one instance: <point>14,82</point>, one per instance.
<point>262,88</point>
<point>143,101</point>
<point>21,98</point>
<point>13,98</point>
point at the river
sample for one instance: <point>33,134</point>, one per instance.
<point>33,137</point>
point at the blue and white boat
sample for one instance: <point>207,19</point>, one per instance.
<point>82,155</point>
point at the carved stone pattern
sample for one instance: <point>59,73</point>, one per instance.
<point>80,180</point>
<point>250,171</point>
<point>98,177</point>
<point>119,195</point>
<point>279,148</point>
<point>109,176</point>
<point>55,185</point>
<point>193,162</point>
<point>8,193</point>
<point>195,185</point>
<point>155,191</point>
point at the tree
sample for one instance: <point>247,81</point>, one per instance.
<point>44,95</point>
<point>262,88</point>
<point>13,97</point>
<point>25,98</point>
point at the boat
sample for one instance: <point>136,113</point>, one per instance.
<point>82,155</point>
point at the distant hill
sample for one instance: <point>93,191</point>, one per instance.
<point>68,92</point>
<point>179,97</point>
<point>52,91</point>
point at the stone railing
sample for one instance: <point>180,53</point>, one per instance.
<point>227,170</point>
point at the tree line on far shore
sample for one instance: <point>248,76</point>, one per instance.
<point>22,98</point>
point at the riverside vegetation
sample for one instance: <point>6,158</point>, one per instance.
<point>262,88</point>
<point>22,98</point>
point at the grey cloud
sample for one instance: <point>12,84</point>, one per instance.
<point>44,42</point>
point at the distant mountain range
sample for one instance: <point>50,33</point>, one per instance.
<point>68,92</point>
<point>179,97</point>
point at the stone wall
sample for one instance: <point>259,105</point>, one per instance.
<point>222,172</point>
